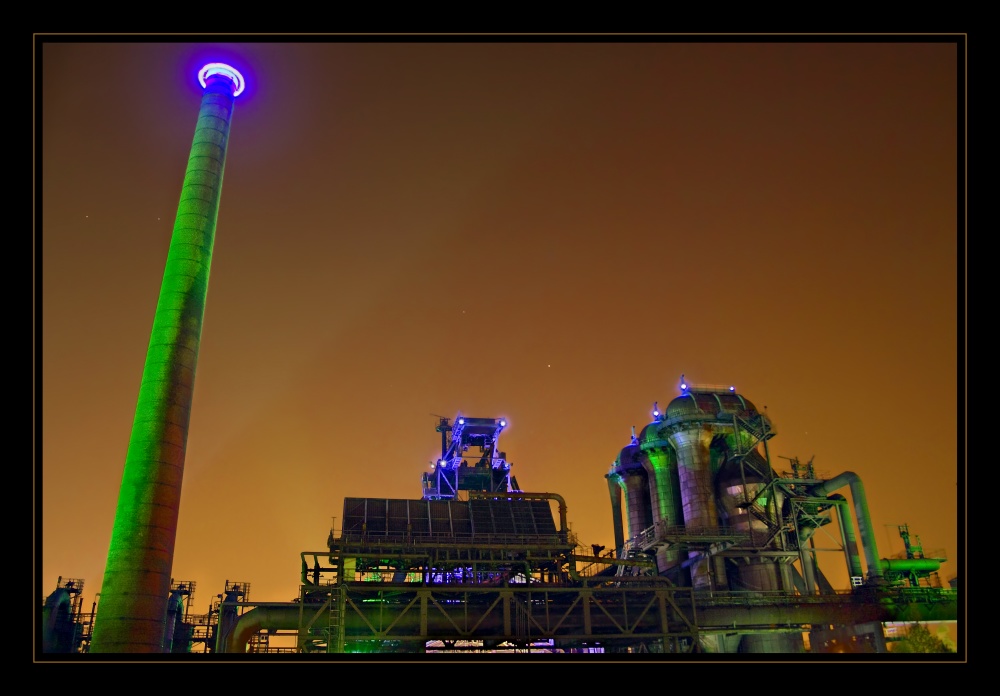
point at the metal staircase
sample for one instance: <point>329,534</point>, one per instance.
<point>629,552</point>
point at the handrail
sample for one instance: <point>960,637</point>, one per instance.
<point>419,538</point>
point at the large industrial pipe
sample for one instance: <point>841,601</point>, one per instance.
<point>694,472</point>
<point>910,565</point>
<point>849,478</point>
<point>629,473</point>
<point>140,558</point>
<point>660,464</point>
<point>847,535</point>
<point>615,490</point>
<point>806,558</point>
<point>806,532</point>
<point>280,618</point>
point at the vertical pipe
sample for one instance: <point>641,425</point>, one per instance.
<point>660,465</point>
<point>863,518</point>
<point>805,561</point>
<point>615,489</point>
<point>692,445</point>
<point>638,508</point>
<point>136,584</point>
<point>847,536</point>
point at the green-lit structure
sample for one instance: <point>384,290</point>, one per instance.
<point>714,553</point>
<point>134,595</point>
<point>715,548</point>
<point>477,565</point>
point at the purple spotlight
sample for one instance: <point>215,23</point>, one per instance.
<point>226,71</point>
<point>461,421</point>
<point>732,389</point>
<point>503,423</point>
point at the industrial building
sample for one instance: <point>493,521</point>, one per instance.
<point>714,546</point>
<point>714,553</point>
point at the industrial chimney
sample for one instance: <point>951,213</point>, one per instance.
<point>134,595</point>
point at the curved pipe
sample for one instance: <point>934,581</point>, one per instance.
<point>256,620</point>
<point>849,478</point>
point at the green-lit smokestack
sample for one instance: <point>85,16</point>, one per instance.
<point>133,607</point>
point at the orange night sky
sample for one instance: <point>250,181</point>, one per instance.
<point>549,231</point>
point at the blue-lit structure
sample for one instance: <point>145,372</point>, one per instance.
<point>484,468</point>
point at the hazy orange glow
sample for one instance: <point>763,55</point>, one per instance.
<point>550,232</point>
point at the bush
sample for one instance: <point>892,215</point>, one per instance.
<point>919,640</point>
